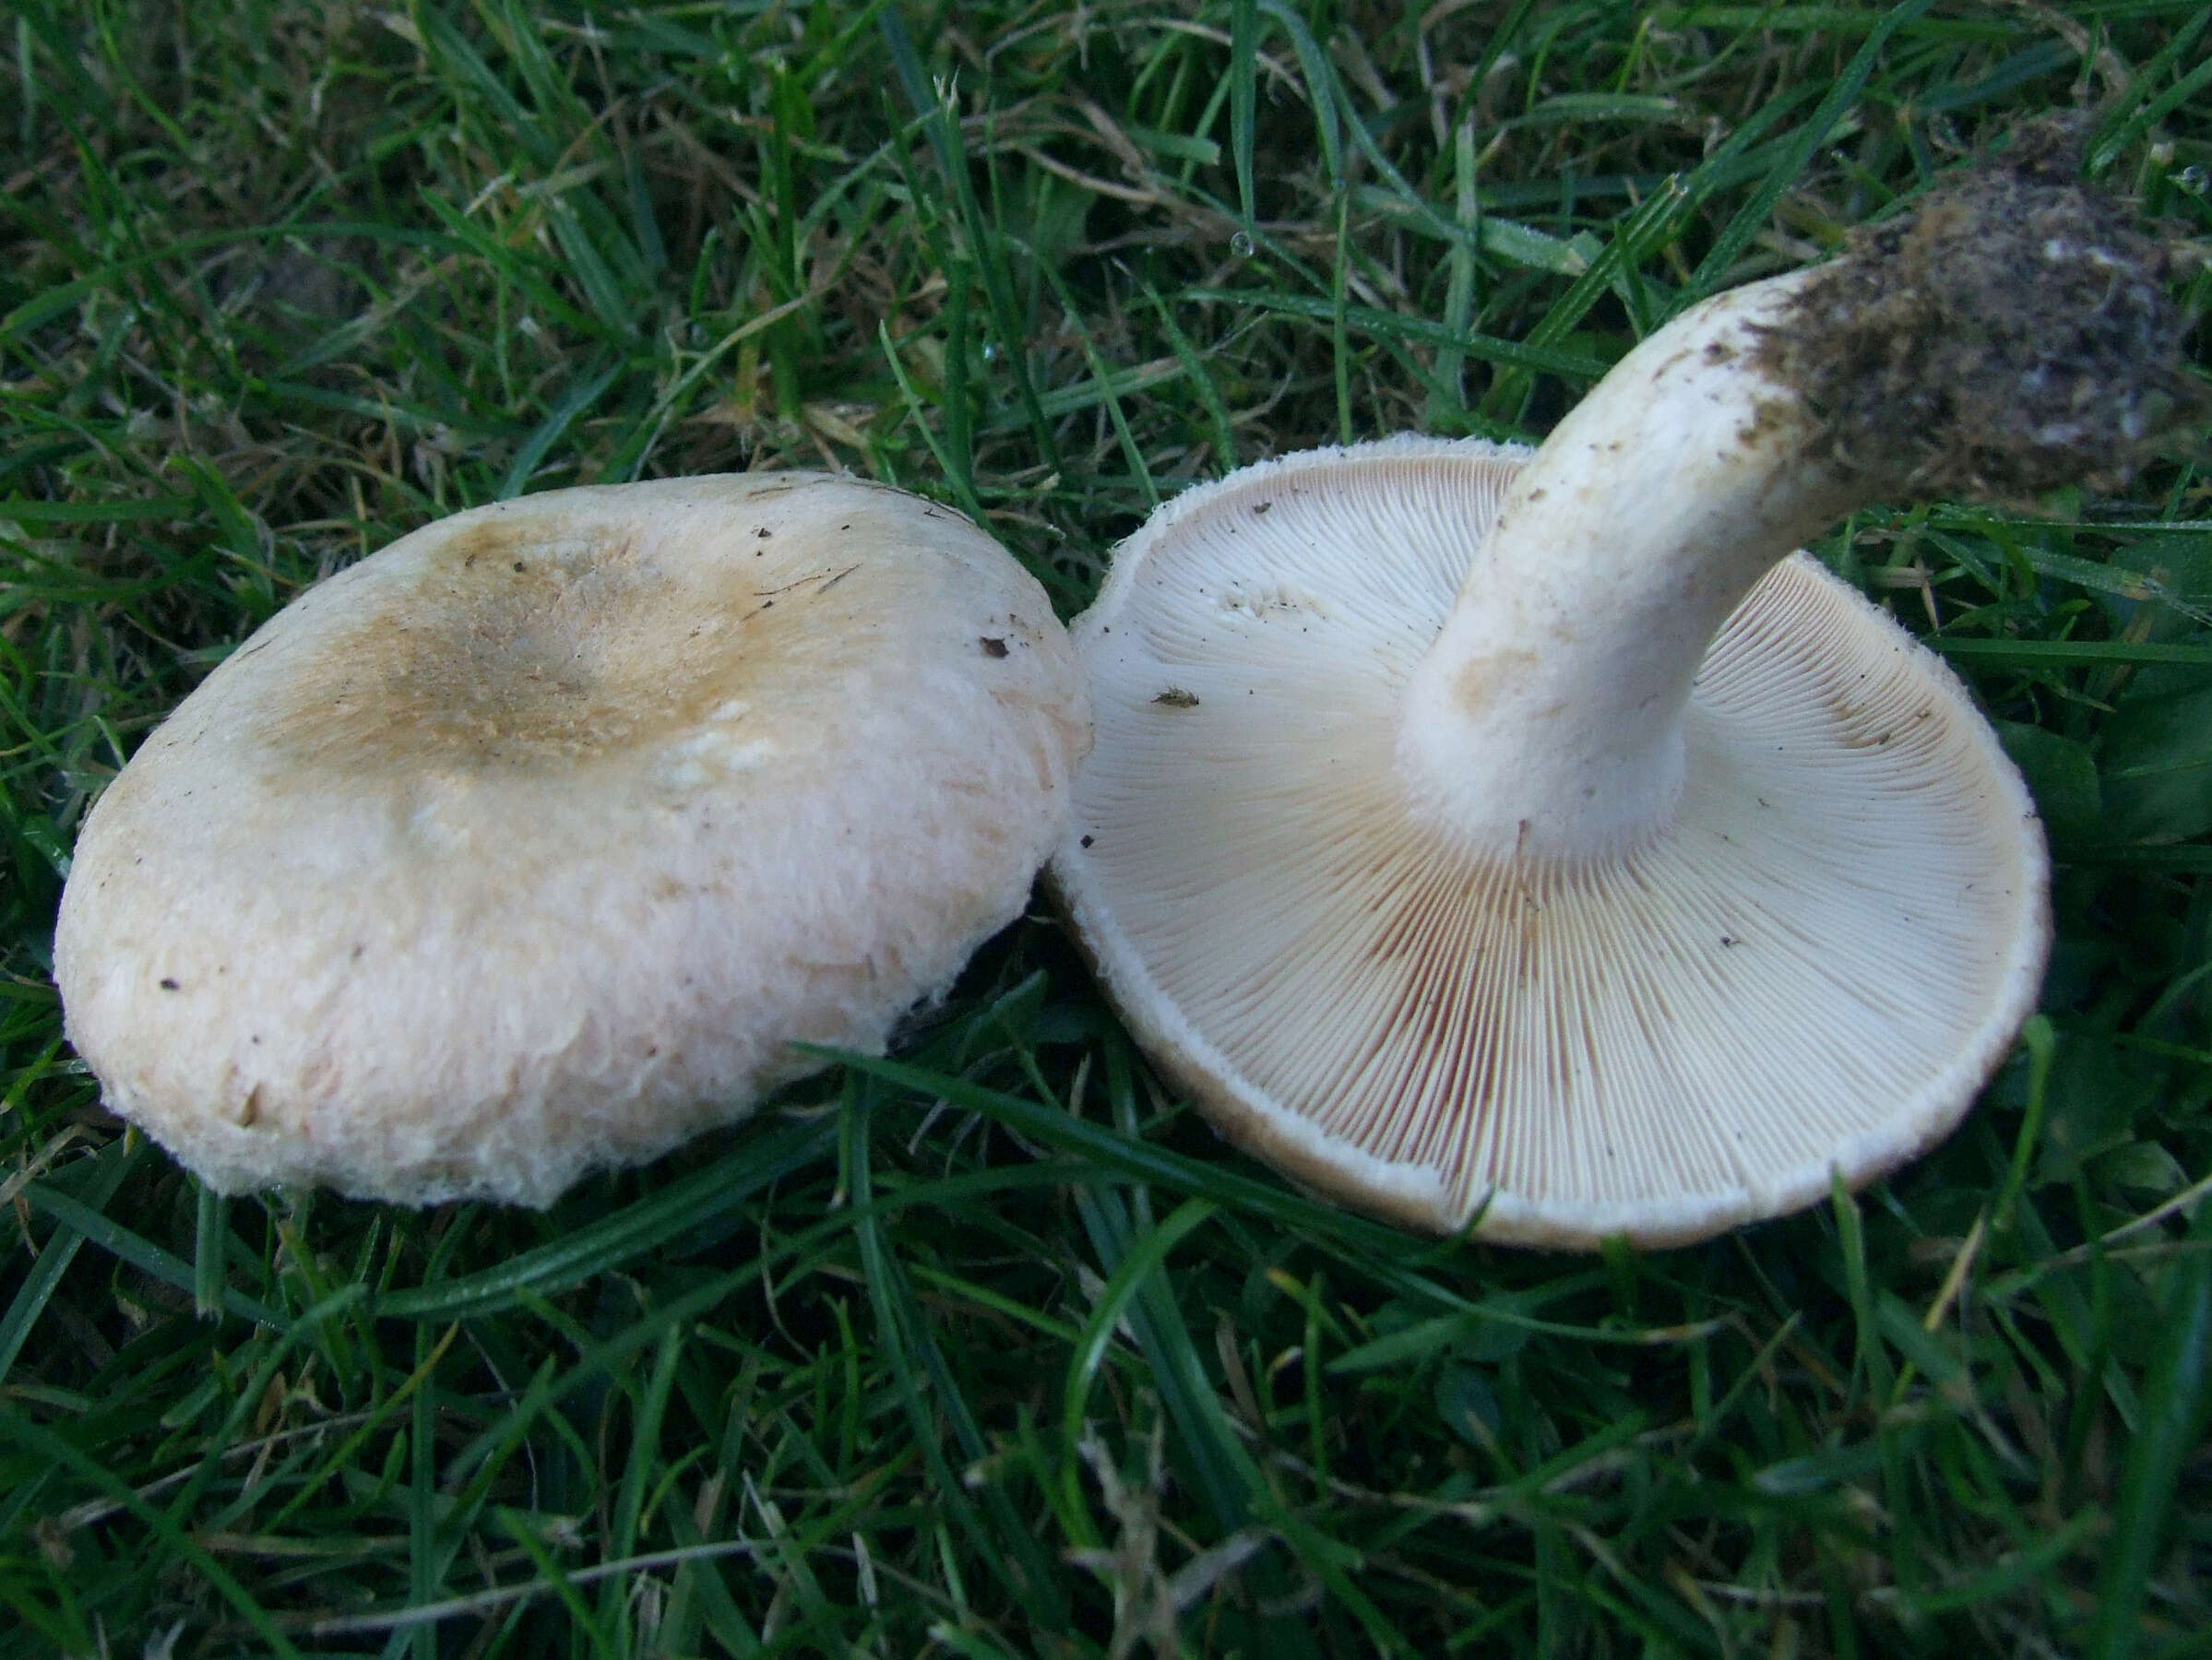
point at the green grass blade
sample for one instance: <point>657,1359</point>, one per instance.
<point>2177,1399</point>
<point>547,433</point>
<point>692,1204</point>
<point>52,1448</point>
<point>1089,1349</point>
<point>1752,218</point>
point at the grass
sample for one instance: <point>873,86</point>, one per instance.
<point>990,1348</point>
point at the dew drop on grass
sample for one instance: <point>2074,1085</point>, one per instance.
<point>1241,244</point>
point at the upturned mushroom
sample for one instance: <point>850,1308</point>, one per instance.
<point>532,844</point>
<point>1506,839</point>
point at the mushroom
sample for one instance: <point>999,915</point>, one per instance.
<point>533,843</point>
<point>1529,841</point>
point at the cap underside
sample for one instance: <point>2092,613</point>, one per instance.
<point>1811,972</point>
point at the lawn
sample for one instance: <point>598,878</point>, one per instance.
<point>992,1348</point>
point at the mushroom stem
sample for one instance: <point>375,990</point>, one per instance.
<point>2009,336</point>
<point>1548,715</point>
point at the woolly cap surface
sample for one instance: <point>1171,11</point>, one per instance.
<point>529,845</point>
<point>1812,971</point>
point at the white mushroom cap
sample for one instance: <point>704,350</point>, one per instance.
<point>1807,974</point>
<point>532,844</point>
<point>1488,835</point>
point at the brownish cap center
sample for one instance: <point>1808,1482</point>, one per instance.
<point>507,648</point>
